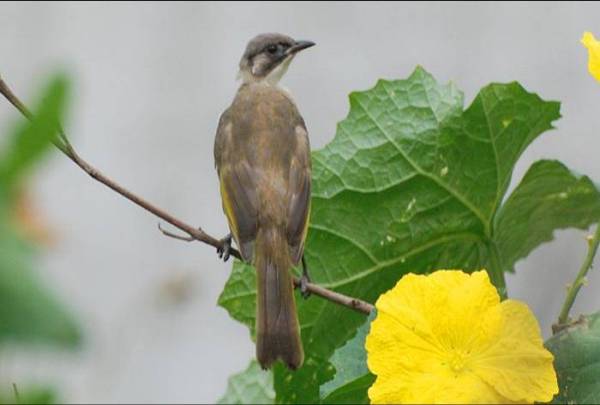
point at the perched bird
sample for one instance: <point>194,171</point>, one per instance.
<point>262,156</point>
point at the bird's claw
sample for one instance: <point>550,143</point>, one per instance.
<point>224,251</point>
<point>304,280</point>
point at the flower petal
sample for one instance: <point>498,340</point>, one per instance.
<point>400,341</point>
<point>516,363</point>
<point>434,387</point>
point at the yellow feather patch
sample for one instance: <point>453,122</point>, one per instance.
<point>305,230</point>
<point>228,209</point>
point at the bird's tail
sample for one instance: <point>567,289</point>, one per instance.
<point>277,329</point>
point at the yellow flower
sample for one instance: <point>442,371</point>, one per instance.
<point>447,338</point>
<point>593,47</point>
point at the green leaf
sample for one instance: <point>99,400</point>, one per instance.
<point>251,386</point>
<point>410,183</point>
<point>354,392</point>
<point>32,138</point>
<point>239,296</point>
<point>29,313</point>
<point>352,378</point>
<point>549,197</point>
<point>577,361</point>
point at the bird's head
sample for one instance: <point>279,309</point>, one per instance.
<point>268,56</point>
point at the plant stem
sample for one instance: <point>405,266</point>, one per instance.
<point>574,288</point>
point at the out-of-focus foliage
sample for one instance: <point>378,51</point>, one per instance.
<point>30,313</point>
<point>30,220</point>
<point>30,395</point>
<point>31,139</point>
<point>413,182</point>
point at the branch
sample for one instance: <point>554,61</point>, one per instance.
<point>63,144</point>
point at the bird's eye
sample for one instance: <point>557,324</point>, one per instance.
<point>272,49</point>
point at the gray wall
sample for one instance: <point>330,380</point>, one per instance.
<point>150,83</point>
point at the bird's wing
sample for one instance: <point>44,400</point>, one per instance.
<point>299,195</point>
<point>240,204</point>
<point>238,191</point>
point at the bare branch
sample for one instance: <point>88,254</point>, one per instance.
<point>63,144</point>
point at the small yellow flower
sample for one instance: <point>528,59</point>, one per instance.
<point>447,338</point>
<point>593,47</point>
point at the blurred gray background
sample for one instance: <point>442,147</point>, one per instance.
<point>150,81</point>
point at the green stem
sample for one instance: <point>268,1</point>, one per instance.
<point>496,271</point>
<point>580,279</point>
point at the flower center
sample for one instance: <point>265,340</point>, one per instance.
<point>457,361</point>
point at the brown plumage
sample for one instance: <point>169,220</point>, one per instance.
<point>262,156</point>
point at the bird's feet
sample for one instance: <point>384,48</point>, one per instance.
<point>225,250</point>
<point>304,280</point>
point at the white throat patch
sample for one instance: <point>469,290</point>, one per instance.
<point>272,79</point>
<point>276,74</point>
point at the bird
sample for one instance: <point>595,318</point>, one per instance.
<point>262,157</point>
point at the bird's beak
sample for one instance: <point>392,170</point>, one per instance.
<point>298,46</point>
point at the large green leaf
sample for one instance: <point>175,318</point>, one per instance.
<point>410,183</point>
<point>549,197</point>
<point>251,386</point>
<point>352,378</point>
<point>577,361</point>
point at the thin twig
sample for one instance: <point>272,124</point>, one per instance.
<point>175,236</point>
<point>198,234</point>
